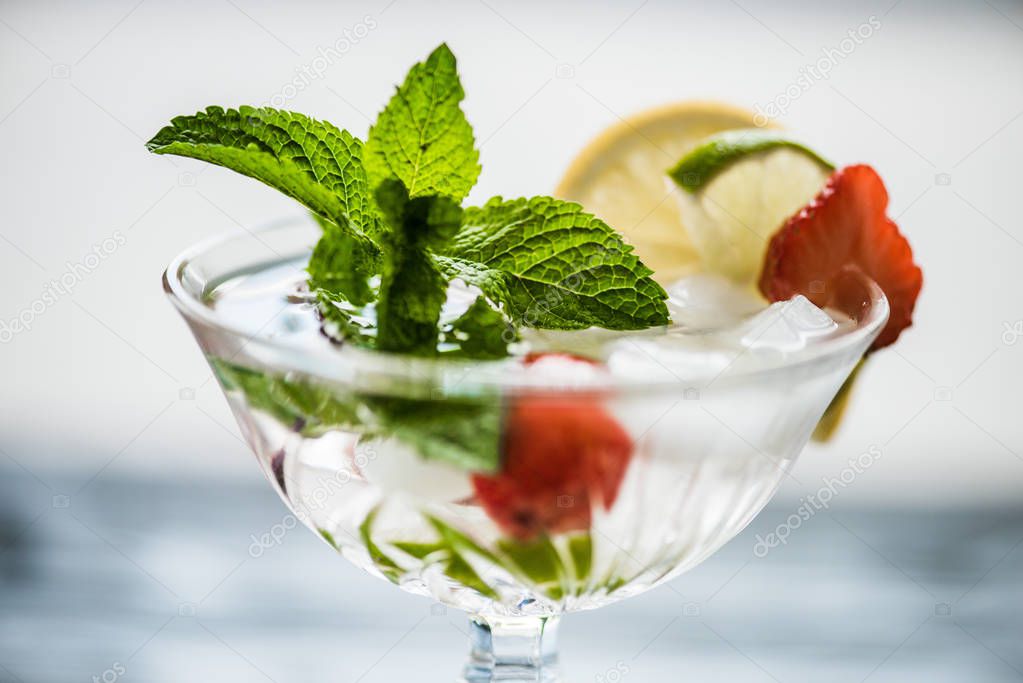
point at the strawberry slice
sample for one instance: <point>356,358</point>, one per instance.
<point>845,227</point>
<point>560,457</point>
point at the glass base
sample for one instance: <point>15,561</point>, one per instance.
<point>512,649</point>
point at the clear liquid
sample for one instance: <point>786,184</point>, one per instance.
<point>713,323</point>
<point>705,459</point>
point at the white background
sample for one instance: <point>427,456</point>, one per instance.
<point>95,387</point>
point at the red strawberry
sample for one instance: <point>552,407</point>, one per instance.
<point>560,456</point>
<point>844,226</point>
<point>535,356</point>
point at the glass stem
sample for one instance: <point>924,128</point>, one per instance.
<point>512,649</point>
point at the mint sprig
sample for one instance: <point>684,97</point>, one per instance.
<point>394,233</point>
<point>412,288</point>
<point>342,265</point>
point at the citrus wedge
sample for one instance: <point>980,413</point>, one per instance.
<point>736,189</point>
<point>621,177</point>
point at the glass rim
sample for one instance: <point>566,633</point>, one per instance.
<point>347,364</point>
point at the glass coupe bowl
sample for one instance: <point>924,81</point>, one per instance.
<point>692,439</point>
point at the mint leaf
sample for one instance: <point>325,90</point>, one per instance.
<point>460,571</point>
<point>551,265</point>
<point>492,282</point>
<point>388,567</point>
<point>459,541</point>
<point>342,265</point>
<point>412,293</point>
<point>538,560</point>
<point>304,407</point>
<point>581,550</point>
<point>311,161</point>
<point>481,332</point>
<point>344,323</point>
<point>328,537</point>
<point>538,563</point>
<point>418,549</point>
<point>422,137</point>
<point>412,287</point>
<point>453,564</point>
<point>466,434</point>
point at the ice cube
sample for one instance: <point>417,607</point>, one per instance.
<point>787,326</point>
<point>679,357</point>
<point>707,301</point>
<point>590,343</point>
<point>395,467</point>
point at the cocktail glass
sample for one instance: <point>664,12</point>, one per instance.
<point>344,435</point>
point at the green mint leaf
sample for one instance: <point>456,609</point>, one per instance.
<point>460,571</point>
<point>412,293</point>
<point>580,548</point>
<point>344,323</point>
<point>386,566</point>
<point>342,265</point>
<point>539,561</point>
<point>311,161</point>
<point>614,584</point>
<point>418,549</point>
<point>492,282</point>
<point>422,136</point>
<point>412,288</point>
<point>304,407</point>
<point>551,265</point>
<point>466,434</point>
<point>424,221</point>
<point>455,566</point>
<point>328,537</point>
<point>481,333</point>
<point>461,542</point>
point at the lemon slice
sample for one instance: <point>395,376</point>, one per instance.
<point>835,412</point>
<point>621,177</point>
<point>736,189</point>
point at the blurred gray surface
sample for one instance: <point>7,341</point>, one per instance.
<point>139,580</point>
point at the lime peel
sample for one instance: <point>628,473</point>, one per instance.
<point>720,151</point>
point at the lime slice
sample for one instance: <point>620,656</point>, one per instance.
<point>736,189</point>
<point>619,176</point>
